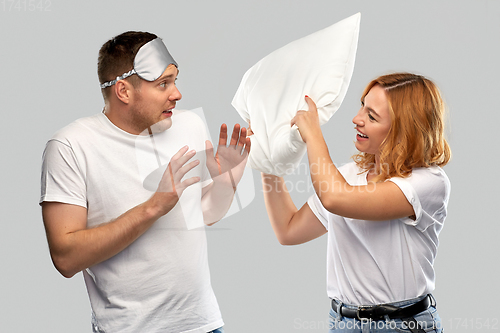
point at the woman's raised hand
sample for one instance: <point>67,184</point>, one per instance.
<point>307,121</point>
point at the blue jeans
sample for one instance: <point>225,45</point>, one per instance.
<point>219,330</point>
<point>428,320</point>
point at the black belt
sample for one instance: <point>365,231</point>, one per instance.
<point>378,312</point>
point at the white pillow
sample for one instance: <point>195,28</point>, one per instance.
<point>272,91</point>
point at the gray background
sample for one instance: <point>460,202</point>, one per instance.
<point>48,79</point>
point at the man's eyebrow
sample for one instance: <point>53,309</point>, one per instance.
<point>169,76</point>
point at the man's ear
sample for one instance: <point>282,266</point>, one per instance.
<point>122,90</point>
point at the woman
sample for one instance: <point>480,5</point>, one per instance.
<point>383,212</point>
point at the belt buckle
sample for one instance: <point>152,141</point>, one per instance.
<point>360,310</point>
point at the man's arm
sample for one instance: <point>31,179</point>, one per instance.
<point>215,202</point>
<point>226,169</point>
<point>74,247</point>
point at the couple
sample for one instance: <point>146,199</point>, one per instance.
<point>146,273</point>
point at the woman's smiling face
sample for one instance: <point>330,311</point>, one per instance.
<point>373,121</point>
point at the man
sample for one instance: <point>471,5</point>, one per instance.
<point>144,269</point>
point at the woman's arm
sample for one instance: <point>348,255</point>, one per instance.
<point>375,201</point>
<point>290,225</point>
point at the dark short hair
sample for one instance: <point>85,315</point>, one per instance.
<point>116,57</point>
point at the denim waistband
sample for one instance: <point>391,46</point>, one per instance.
<point>399,304</point>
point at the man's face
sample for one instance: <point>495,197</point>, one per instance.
<point>153,101</point>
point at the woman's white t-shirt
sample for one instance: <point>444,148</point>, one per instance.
<point>374,262</point>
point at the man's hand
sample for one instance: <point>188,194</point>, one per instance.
<point>171,185</point>
<point>226,169</point>
<point>228,164</point>
<point>74,246</point>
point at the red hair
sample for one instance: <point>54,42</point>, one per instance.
<point>416,136</point>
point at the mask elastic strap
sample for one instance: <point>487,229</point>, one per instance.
<point>124,76</point>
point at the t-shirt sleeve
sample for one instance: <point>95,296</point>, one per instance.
<point>318,210</point>
<point>62,179</point>
<point>427,190</point>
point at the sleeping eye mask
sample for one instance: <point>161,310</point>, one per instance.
<point>149,63</point>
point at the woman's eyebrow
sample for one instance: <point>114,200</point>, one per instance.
<point>373,111</point>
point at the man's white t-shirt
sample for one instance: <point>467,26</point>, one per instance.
<point>374,262</point>
<point>161,282</point>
